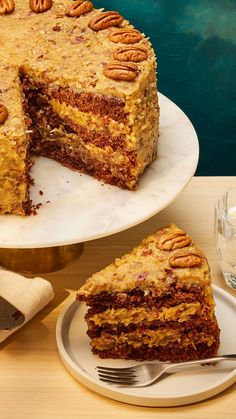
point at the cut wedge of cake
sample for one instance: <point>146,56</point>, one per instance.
<point>155,302</point>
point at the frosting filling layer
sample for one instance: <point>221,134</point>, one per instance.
<point>182,312</point>
<point>151,338</point>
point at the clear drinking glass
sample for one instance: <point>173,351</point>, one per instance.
<point>225,235</point>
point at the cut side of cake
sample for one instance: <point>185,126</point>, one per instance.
<point>155,302</point>
<point>88,80</point>
<point>15,160</point>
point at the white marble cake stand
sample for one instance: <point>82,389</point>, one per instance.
<point>77,208</point>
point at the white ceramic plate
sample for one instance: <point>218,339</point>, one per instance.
<point>172,390</point>
<point>77,208</point>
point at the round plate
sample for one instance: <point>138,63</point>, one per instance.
<point>172,390</point>
<point>77,208</point>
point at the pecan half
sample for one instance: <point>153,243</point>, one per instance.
<point>185,260</point>
<point>171,241</point>
<point>6,7</point>
<point>121,71</point>
<point>78,8</point>
<point>125,36</point>
<point>105,20</point>
<point>3,113</point>
<point>40,6</point>
<point>131,53</point>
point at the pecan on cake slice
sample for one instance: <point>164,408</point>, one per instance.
<point>185,260</point>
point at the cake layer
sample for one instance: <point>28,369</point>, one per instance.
<point>172,352</point>
<point>158,337</point>
<point>181,312</point>
<point>152,297</point>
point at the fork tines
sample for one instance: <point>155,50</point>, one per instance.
<point>119,376</point>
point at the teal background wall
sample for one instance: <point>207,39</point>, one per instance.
<point>195,42</point>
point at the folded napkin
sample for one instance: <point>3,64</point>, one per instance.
<point>20,299</point>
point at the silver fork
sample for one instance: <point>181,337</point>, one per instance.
<point>142,375</point>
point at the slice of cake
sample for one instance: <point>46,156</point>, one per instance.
<point>15,160</point>
<point>155,302</point>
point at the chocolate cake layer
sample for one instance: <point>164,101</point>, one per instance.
<point>171,352</point>
<point>174,295</point>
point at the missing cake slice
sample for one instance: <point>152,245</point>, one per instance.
<point>155,302</point>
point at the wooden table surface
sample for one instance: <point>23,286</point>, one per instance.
<point>35,384</point>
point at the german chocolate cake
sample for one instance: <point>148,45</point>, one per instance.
<point>153,303</point>
<point>77,85</point>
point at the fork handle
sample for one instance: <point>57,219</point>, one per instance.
<point>228,357</point>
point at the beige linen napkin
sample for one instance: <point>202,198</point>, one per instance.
<point>20,299</point>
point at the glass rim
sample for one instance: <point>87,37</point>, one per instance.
<point>224,193</point>
<point>219,213</point>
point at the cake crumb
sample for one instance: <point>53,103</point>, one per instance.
<point>35,208</point>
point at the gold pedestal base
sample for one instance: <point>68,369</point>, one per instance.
<point>40,260</point>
